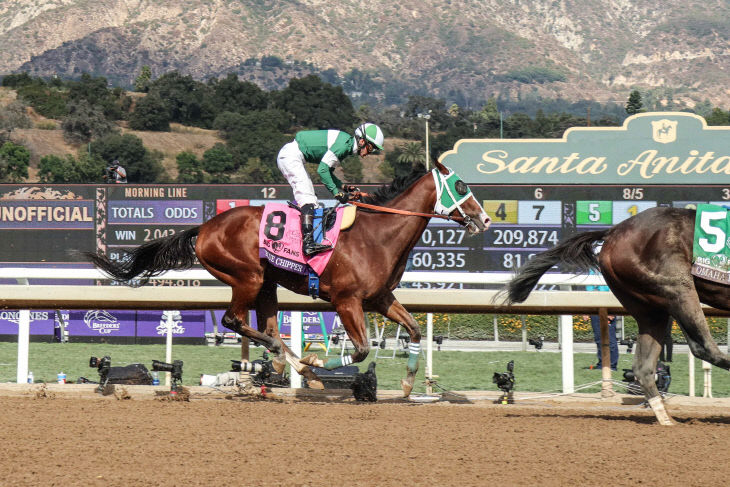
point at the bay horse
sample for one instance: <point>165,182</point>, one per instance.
<point>646,261</point>
<point>366,264</point>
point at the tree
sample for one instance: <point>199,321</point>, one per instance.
<point>315,104</point>
<point>14,116</point>
<point>634,104</point>
<point>189,168</point>
<point>150,114</point>
<point>143,81</point>
<point>217,161</point>
<point>14,161</point>
<point>232,95</point>
<point>352,169</point>
<point>85,122</point>
<point>258,134</point>
<point>142,165</point>
<point>96,92</point>
<point>255,171</point>
<point>55,169</point>
<point>184,98</point>
<point>228,123</point>
<point>718,117</point>
<point>411,153</point>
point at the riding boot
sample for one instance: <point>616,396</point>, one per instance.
<point>309,246</point>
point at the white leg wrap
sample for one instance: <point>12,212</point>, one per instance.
<point>414,348</point>
<point>657,405</point>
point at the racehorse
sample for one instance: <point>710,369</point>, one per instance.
<point>366,264</point>
<point>646,261</point>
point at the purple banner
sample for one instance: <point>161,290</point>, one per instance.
<point>99,322</point>
<point>41,322</point>
<point>310,321</point>
<point>47,214</point>
<point>150,211</point>
<point>189,324</point>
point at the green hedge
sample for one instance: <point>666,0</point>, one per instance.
<point>509,327</point>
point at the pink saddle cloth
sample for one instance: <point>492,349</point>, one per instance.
<point>280,240</point>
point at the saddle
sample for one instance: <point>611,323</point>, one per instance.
<point>280,236</point>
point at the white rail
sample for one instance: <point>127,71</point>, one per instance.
<point>25,273</point>
<point>563,302</point>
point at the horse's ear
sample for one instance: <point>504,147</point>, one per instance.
<point>442,169</point>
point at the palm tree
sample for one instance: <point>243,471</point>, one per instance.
<point>411,153</point>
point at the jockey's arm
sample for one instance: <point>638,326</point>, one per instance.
<point>326,172</point>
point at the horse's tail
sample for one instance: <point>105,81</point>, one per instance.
<point>576,254</point>
<point>151,259</point>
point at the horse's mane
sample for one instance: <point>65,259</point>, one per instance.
<point>387,192</point>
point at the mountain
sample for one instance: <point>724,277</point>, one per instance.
<point>462,50</point>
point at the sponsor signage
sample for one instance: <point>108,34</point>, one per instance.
<point>190,324</point>
<point>650,148</point>
<point>41,322</point>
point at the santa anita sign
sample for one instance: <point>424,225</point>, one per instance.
<point>650,148</point>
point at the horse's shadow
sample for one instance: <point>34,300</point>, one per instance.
<point>633,418</point>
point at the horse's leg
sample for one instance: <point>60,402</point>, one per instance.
<point>652,325</point>
<point>686,309</point>
<point>236,319</point>
<point>389,307</point>
<point>267,307</point>
<point>353,319</point>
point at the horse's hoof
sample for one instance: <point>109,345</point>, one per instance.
<point>278,364</point>
<point>667,422</point>
<point>313,381</point>
<point>312,360</point>
<point>406,386</point>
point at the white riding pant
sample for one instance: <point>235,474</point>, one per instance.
<point>291,164</point>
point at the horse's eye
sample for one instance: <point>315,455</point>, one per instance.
<point>461,187</point>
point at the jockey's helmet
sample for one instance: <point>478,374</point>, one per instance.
<point>371,133</point>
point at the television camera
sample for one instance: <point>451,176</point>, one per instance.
<point>103,365</point>
<point>175,369</point>
<point>662,376</point>
<point>262,372</point>
<point>629,342</point>
<point>505,382</point>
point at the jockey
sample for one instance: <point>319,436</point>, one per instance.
<point>326,148</point>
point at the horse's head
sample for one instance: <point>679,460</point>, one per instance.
<point>454,198</point>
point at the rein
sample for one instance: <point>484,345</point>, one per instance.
<point>385,209</point>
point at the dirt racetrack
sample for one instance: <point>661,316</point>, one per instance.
<point>67,435</point>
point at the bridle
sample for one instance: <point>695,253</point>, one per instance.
<point>440,210</point>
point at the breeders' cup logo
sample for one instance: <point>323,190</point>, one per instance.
<point>277,246</point>
<point>173,318</point>
<point>101,321</point>
<point>664,131</point>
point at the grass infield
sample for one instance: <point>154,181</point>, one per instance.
<point>458,371</point>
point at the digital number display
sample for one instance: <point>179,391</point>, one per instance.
<point>42,225</point>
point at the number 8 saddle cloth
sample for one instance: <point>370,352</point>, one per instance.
<point>280,237</point>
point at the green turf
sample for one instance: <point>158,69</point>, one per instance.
<point>534,371</point>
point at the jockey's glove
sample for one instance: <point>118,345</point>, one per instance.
<point>342,197</point>
<point>350,188</point>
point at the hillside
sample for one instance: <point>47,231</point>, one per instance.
<point>461,50</point>
<point>41,142</point>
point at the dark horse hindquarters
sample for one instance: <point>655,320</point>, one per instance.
<point>646,262</point>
